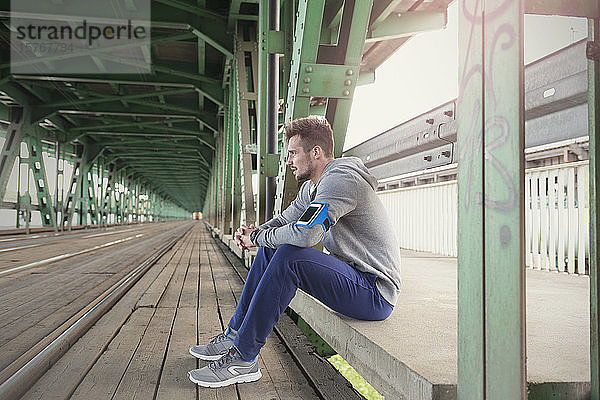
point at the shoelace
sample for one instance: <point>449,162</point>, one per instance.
<point>226,359</point>
<point>219,338</point>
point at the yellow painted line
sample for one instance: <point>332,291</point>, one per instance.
<point>68,255</point>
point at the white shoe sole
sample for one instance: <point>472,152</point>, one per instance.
<point>205,357</point>
<point>236,379</point>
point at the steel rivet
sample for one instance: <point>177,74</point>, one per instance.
<point>305,90</point>
<point>349,72</point>
<point>308,69</point>
<point>347,82</point>
<point>346,93</point>
<point>307,80</point>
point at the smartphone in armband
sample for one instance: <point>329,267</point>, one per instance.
<point>315,214</point>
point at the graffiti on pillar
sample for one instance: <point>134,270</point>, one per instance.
<point>505,38</point>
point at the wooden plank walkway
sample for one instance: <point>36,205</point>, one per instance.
<point>139,349</point>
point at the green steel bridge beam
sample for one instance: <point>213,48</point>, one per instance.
<point>195,10</point>
<point>209,89</point>
<point>323,71</point>
<point>407,24</point>
<point>111,123</point>
<point>244,88</point>
<point>40,113</point>
<point>101,98</point>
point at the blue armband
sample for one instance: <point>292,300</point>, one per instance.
<point>315,214</point>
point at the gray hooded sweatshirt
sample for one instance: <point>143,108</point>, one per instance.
<point>360,235</point>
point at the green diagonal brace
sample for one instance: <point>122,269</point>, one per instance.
<point>37,165</point>
<point>11,147</point>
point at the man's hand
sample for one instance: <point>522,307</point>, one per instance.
<point>242,237</point>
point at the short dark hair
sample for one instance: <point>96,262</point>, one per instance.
<point>314,131</point>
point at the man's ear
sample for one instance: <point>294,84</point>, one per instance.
<point>317,151</point>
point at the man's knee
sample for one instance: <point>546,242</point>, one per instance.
<point>287,250</point>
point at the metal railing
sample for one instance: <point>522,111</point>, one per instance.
<point>556,217</point>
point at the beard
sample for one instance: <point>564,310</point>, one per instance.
<point>301,177</point>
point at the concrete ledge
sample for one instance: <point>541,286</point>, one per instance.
<point>386,373</point>
<point>413,354</point>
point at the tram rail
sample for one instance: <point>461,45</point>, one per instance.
<point>19,368</point>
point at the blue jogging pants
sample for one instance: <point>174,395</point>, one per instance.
<point>272,282</point>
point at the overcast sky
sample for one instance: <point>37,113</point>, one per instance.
<point>422,74</point>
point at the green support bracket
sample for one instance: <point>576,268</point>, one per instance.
<point>327,80</point>
<point>366,77</point>
<point>37,165</point>
<point>491,268</point>
<point>594,134</point>
<point>399,25</point>
<point>271,164</point>
<point>276,42</point>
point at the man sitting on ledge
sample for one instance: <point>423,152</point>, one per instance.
<point>359,278</point>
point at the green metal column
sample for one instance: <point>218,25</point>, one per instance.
<point>491,280</point>
<point>221,177</point>
<point>324,72</point>
<point>228,178</point>
<point>594,126</point>
<point>107,203</point>
<point>59,193</point>
<point>118,197</point>
<point>236,189</point>
<point>11,147</point>
<point>306,45</point>
<point>72,199</point>
<point>129,199</point>
<point>91,198</point>
<point>83,192</point>
<point>122,198</point>
<point>215,191</point>
<point>137,201</point>
<point>270,45</point>
<point>37,166</point>
<point>246,79</point>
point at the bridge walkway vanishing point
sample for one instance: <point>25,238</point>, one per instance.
<point>139,348</point>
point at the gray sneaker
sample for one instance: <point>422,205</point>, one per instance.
<point>216,348</point>
<point>226,371</point>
